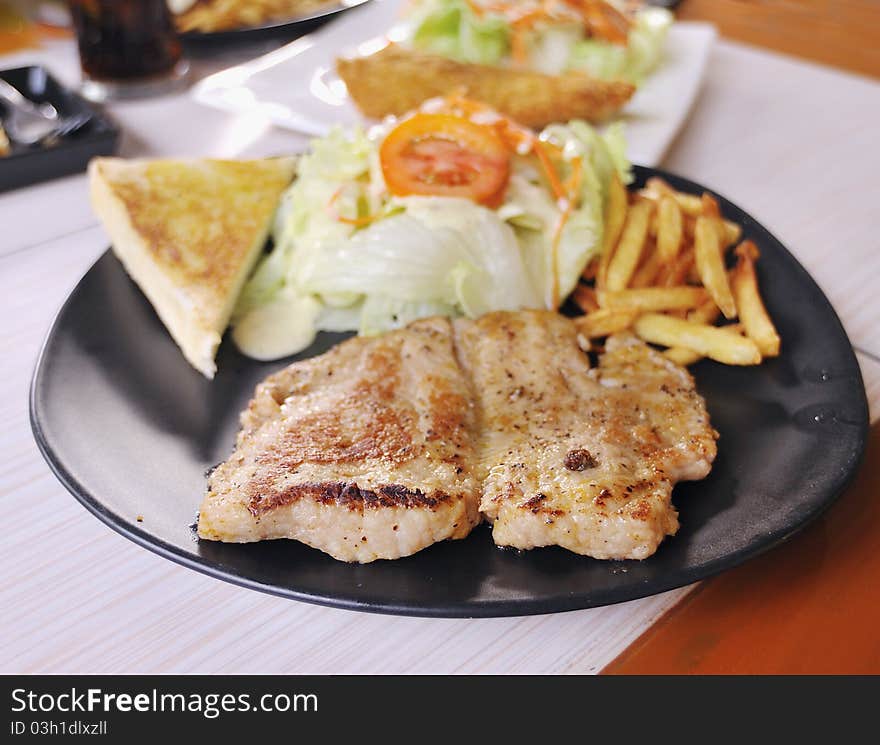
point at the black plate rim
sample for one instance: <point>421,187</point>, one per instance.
<point>484,608</point>
<point>272,26</point>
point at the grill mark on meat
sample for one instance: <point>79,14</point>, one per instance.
<point>534,504</point>
<point>444,412</point>
<point>603,496</point>
<point>324,438</point>
<point>263,500</point>
<point>327,436</point>
<point>641,511</point>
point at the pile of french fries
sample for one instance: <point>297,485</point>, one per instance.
<point>209,16</point>
<point>663,275</point>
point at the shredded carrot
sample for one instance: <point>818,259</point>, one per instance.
<point>602,19</point>
<point>573,182</point>
<point>599,18</point>
<point>336,195</point>
<point>552,176</point>
<point>359,222</point>
<point>519,48</point>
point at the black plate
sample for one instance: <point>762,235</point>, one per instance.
<point>286,28</point>
<point>130,428</point>
<point>71,154</point>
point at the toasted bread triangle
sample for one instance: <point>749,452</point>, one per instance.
<point>189,232</point>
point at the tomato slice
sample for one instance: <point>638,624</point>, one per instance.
<point>445,155</point>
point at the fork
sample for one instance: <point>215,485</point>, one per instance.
<point>67,125</point>
<point>27,123</point>
<point>32,124</point>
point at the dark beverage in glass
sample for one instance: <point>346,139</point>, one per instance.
<point>127,48</point>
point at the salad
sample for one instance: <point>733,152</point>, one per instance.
<point>452,210</point>
<point>608,40</point>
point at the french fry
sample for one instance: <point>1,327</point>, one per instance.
<point>717,343</point>
<point>590,270</point>
<point>615,217</point>
<point>706,312</point>
<point>683,356</point>
<point>662,274</point>
<point>677,272</point>
<point>669,229</point>
<point>710,206</point>
<point>692,207</point>
<point>710,265</point>
<point>690,204</point>
<point>585,298</point>
<point>629,249</point>
<point>648,270</point>
<point>606,321</point>
<point>656,187</point>
<point>583,342</point>
<point>731,233</point>
<point>654,298</point>
<point>688,224</point>
<point>752,312</point>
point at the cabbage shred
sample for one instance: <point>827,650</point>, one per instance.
<point>368,261</point>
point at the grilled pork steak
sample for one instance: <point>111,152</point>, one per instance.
<point>366,452</point>
<point>383,446</point>
<point>584,459</point>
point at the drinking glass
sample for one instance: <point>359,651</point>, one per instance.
<point>127,48</point>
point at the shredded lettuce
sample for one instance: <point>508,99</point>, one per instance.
<point>633,62</point>
<point>421,255</point>
<point>383,312</point>
<point>443,251</point>
<point>331,172</point>
<point>533,213</point>
<point>451,28</point>
<point>551,47</point>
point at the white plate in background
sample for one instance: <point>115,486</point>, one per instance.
<point>296,86</point>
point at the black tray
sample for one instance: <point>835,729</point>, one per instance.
<point>71,154</point>
<point>130,428</point>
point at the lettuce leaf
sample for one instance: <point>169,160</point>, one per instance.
<point>531,210</point>
<point>423,255</point>
<point>440,251</point>
<point>551,48</point>
<point>382,313</point>
<point>450,28</point>
<point>303,221</point>
<point>633,62</point>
